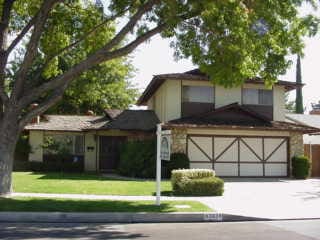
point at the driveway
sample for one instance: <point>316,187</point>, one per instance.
<point>269,198</point>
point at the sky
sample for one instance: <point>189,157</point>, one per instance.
<point>156,57</point>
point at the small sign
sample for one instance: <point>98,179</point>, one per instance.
<point>165,145</point>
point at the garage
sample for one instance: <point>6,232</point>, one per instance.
<point>240,156</point>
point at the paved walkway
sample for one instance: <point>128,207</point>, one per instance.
<point>259,198</point>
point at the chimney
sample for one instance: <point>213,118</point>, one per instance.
<point>36,119</point>
<point>315,109</point>
<point>90,113</point>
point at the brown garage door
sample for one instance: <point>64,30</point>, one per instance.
<point>243,156</point>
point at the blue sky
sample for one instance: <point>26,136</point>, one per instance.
<point>156,57</point>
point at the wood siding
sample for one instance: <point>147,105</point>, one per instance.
<point>313,153</point>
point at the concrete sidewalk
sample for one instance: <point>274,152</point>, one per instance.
<point>275,199</point>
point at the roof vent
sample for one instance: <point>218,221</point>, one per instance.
<point>90,113</point>
<point>36,119</point>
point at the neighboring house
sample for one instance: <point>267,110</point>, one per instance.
<point>239,131</point>
<point>311,141</point>
<point>95,140</point>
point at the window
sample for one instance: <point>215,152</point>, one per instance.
<point>199,94</point>
<point>257,97</point>
<point>71,144</point>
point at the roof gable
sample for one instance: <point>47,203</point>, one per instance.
<point>232,114</point>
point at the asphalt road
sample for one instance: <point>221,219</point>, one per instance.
<point>293,230</point>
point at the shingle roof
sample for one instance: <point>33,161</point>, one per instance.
<point>310,120</point>
<point>73,123</point>
<point>144,120</point>
<point>196,75</point>
<point>140,120</point>
<point>234,116</point>
<point>231,114</point>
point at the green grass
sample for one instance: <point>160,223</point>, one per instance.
<point>72,205</point>
<point>84,183</point>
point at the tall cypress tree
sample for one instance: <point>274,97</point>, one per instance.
<point>299,99</point>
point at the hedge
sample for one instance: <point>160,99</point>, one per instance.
<point>196,182</point>
<point>177,161</point>
<point>301,166</point>
<point>138,159</point>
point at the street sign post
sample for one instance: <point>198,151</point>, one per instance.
<point>163,153</point>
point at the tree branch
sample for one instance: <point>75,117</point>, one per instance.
<point>85,36</point>
<point>5,18</point>
<point>41,108</point>
<point>22,34</point>
<point>130,24</point>
<point>98,57</point>
<point>31,51</point>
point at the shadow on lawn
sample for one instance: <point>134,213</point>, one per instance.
<point>72,205</point>
<point>164,193</point>
<point>66,231</point>
<point>83,176</point>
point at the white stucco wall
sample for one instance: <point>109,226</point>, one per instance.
<point>36,141</point>
<point>236,132</point>
<point>279,103</point>
<point>173,100</point>
<point>225,96</point>
<point>167,99</point>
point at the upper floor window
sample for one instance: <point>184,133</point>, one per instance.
<point>196,100</point>
<point>253,96</point>
<point>198,94</point>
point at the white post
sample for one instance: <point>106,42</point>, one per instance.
<point>158,174</point>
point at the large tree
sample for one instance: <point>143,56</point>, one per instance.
<point>299,99</point>
<point>230,40</point>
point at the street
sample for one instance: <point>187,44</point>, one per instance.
<point>293,230</point>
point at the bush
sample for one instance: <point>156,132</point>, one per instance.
<point>51,163</point>
<point>19,165</point>
<point>23,149</point>
<point>301,167</point>
<point>177,161</point>
<point>138,159</point>
<point>196,182</point>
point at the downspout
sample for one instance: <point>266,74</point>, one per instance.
<point>96,140</point>
<point>310,153</point>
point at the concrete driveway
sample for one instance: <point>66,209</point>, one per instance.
<point>269,198</point>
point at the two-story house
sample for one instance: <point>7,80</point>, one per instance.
<point>238,131</point>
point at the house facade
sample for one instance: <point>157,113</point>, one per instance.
<point>95,141</point>
<point>238,132</point>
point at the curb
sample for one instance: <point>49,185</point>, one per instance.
<point>109,217</point>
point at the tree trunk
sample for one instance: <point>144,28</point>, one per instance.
<point>9,133</point>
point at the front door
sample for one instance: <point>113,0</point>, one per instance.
<point>109,153</point>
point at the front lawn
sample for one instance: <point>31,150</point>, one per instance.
<point>72,205</point>
<point>82,183</point>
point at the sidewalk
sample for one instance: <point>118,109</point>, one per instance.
<point>105,197</point>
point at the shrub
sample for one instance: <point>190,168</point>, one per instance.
<point>196,182</point>
<point>138,159</point>
<point>177,161</point>
<point>22,150</point>
<point>301,167</point>
<point>52,163</point>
